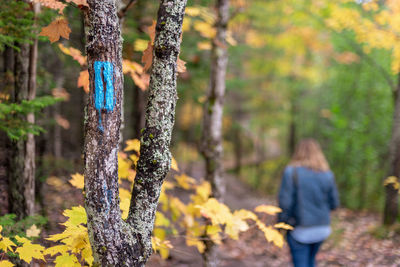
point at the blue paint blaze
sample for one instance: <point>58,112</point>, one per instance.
<point>100,102</point>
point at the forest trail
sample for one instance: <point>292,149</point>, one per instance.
<point>351,243</point>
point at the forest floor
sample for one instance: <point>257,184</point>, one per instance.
<point>354,241</point>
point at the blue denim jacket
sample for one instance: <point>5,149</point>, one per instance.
<point>311,203</point>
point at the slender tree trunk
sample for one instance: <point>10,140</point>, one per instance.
<point>7,87</point>
<point>211,146</point>
<point>116,242</point>
<point>391,193</point>
<point>30,151</point>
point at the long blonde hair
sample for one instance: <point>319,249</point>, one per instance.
<point>308,153</point>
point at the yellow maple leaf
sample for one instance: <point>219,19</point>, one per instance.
<point>140,45</point>
<point>83,80</point>
<point>6,263</point>
<point>124,165</point>
<point>185,181</point>
<point>33,231</point>
<point>76,215</point>
<point>133,144</point>
<point>192,11</point>
<point>6,244</point>
<point>161,220</point>
<point>125,198</point>
<point>67,260</point>
<point>282,225</point>
<point>58,28</point>
<point>28,251</point>
<point>77,180</point>
<point>199,244</point>
<point>63,249</point>
<point>272,235</point>
<point>218,212</point>
<point>174,164</point>
<point>392,180</point>
<point>271,210</point>
<point>205,29</point>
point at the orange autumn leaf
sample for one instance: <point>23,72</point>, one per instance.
<point>60,93</point>
<point>63,122</point>
<point>83,80</point>
<point>181,65</point>
<point>151,31</point>
<point>74,53</point>
<point>147,57</point>
<point>78,2</point>
<point>58,28</point>
<point>52,4</point>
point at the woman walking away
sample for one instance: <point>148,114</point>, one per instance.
<point>307,195</point>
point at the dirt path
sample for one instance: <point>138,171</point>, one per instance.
<point>351,243</point>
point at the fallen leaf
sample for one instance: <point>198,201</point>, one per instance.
<point>33,231</point>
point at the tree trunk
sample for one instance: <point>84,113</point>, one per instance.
<point>116,242</point>
<point>30,151</point>
<point>7,87</point>
<point>391,193</point>
<point>211,146</point>
<point>21,194</point>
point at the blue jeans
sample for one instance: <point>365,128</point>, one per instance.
<point>303,255</point>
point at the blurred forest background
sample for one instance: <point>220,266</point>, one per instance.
<point>297,68</point>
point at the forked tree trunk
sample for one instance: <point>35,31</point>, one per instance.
<point>391,210</point>
<point>116,242</point>
<point>211,146</point>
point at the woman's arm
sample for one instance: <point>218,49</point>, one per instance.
<point>333,195</point>
<point>285,199</point>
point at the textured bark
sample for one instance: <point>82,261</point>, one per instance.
<point>391,193</point>
<point>211,146</point>
<point>115,242</point>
